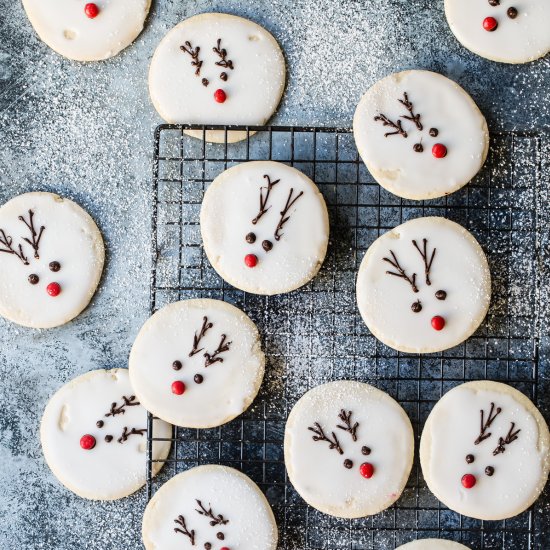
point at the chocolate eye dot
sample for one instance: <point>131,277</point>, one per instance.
<point>348,464</point>
<point>199,378</point>
<point>267,245</point>
<point>434,132</point>
<point>489,471</point>
<point>365,450</point>
<point>55,266</point>
<point>223,76</point>
<point>220,535</point>
<point>177,365</point>
<point>416,307</point>
<point>250,238</point>
<point>469,459</point>
<point>512,13</point>
<point>418,148</point>
<point>100,423</point>
<point>441,295</point>
<point>33,279</point>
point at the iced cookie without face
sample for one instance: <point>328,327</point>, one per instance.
<point>211,507</point>
<point>216,68</point>
<point>484,451</point>
<point>509,31</point>
<point>265,227</point>
<point>87,31</point>
<point>420,134</point>
<point>51,262</point>
<point>425,286</point>
<point>197,363</point>
<point>433,544</point>
<point>348,449</point>
<point>93,436</point>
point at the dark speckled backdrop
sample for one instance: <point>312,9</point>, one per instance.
<point>86,131</point>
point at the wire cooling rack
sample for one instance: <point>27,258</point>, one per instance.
<point>315,334</point>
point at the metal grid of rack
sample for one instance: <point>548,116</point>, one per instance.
<point>315,334</point>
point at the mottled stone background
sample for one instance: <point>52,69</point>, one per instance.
<point>85,131</point>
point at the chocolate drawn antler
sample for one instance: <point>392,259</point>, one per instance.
<point>510,438</point>
<point>264,198</point>
<point>7,241</point>
<point>215,519</point>
<point>206,326</point>
<point>409,106</point>
<point>321,436</point>
<point>194,53</point>
<point>184,531</point>
<point>395,125</point>
<point>424,254</point>
<point>126,434</point>
<point>346,419</point>
<point>35,242</point>
<point>214,357</point>
<point>284,218</point>
<point>485,425</point>
<point>222,53</point>
<point>127,402</point>
<point>400,271</point>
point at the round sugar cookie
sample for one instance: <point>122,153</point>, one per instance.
<point>216,68</point>
<point>420,134</point>
<point>484,451</point>
<point>509,31</point>
<point>94,436</point>
<point>424,286</point>
<point>212,507</point>
<point>87,31</point>
<point>348,449</point>
<point>51,262</point>
<point>265,227</point>
<point>432,544</point>
<point>197,363</point>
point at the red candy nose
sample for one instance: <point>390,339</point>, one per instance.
<point>251,260</point>
<point>220,96</point>
<point>91,10</point>
<point>53,289</point>
<point>490,24</point>
<point>468,481</point>
<point>438,323</point>
<point>439,151</point>
<point>87,442</point>
<point>178,387</point>
<point>366,470</point>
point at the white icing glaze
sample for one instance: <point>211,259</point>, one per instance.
<point>71,238</point>
<point>459,268</point>
<point>232,202</point>
<point>519,40</point>
<point>64,26</point>
<point>254,86</point>
<point>317,472</point>
<point>520,471</point>
<point>109,470</point>
<point>442,104</point>
<point>228,387</point>
<point>433,544</point>
<point>251,524</point>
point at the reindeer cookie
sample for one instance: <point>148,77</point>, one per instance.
<point>216,68</point>
<point>348,449</point>
<point>485,451</point>
<point>51,259</point>
<point>425,286</point>
<point>432,544</point>
<point>508,31</point>
<point>87,31</point>
<point>93,436</point>
<point>210,508</point>
<point>420,134</point>
<point>265,227</point>
<point>197,363</point>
